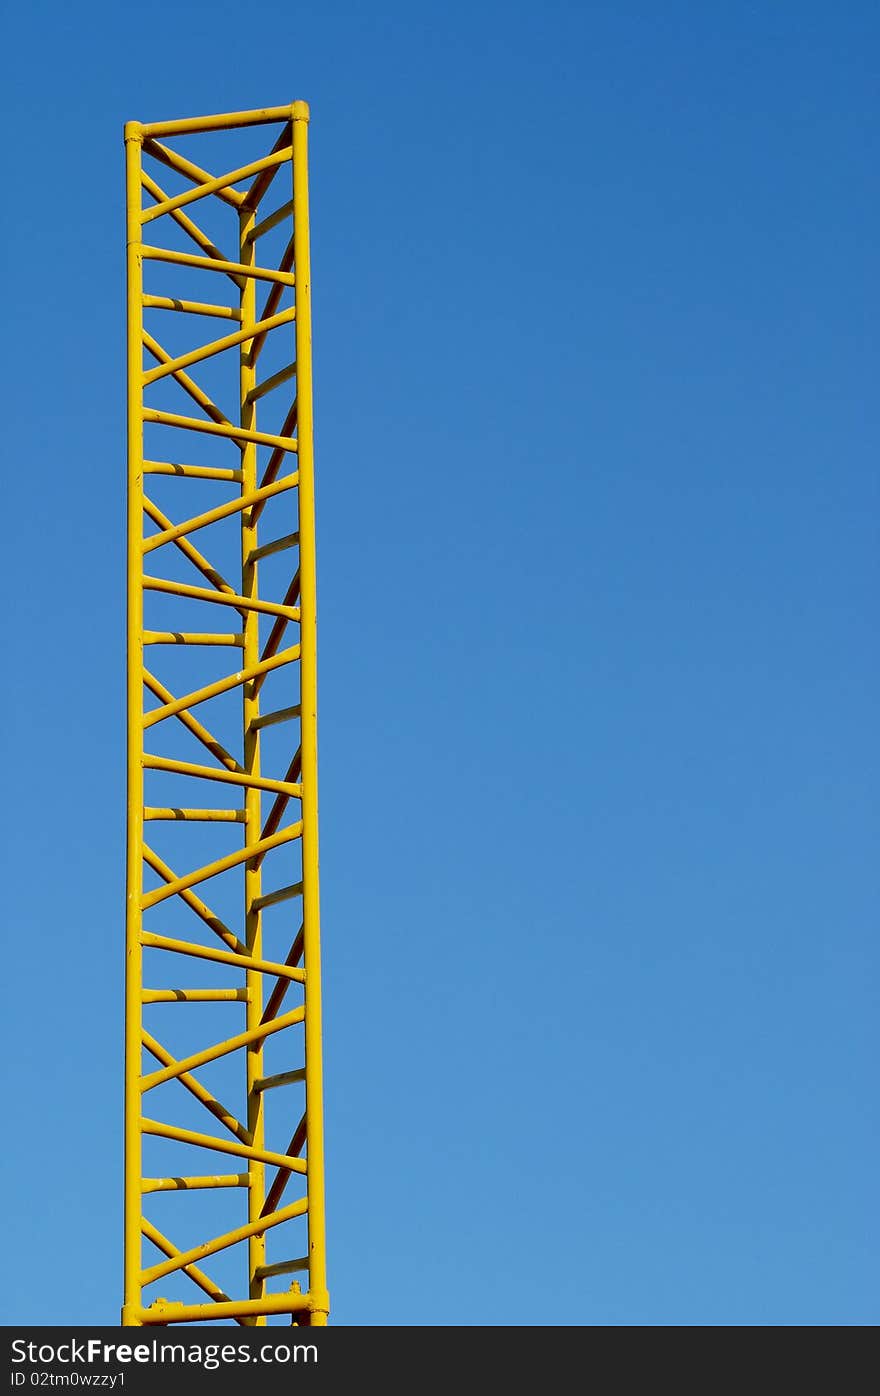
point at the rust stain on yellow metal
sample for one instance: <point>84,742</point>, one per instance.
<point>253,466</point>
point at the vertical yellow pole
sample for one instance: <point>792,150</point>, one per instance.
<point>252,802</point>
<point>135,797</point>
<point>309,722</point>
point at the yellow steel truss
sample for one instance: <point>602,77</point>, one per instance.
<point>255,961</point>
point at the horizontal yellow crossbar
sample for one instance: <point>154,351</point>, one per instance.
<point>188,768</point>
<point>226,121</point>
<point>195,996</point>
<point>221,312</point>
<point>205,816</point>
<point>189,259</point>
<point>270,719</point>
<point>283,1078</point>
<point>281,1267</point>
<point>269,384</point>
<point>190,637</point>
<point>284,894</point>
<point>278,545</point>
<point>222,957</point>
<point>272,221</point>
<point>222,1146</point>
<point>164,1311</point>
<point>233,433</point>
<point>215,1180</point>
<point>222,598</point>
<point>191,472</point>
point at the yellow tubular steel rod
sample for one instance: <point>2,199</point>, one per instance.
<point>187,637</point>
<point>222,1146</point>
<point>201,1093</point>
<point>190,768</point>
<point>191,229</point>
<point>189,259</point>
<point>198,1276</point>
<point>195,996</point>
<point>272,221</point>
<point>188,384</point>
<point>232,860</point>
<point>221,511</point>
<point>175,161</point>
<point>162,1312</point>
<point>253,796</point>
<point>175,419</point>
<point>222,312</point>
<point>309,725</point>
<point>213,186</point>
<point>225,685</point>
<point>222,957</point>
<point>269,608</point>
<point>216,346</point>
<point>221,1049</point>
<point>194,472</point>
<point>223,121</point>
<point>201,909</point>
<point>216,1180</point>
<point>135,795</point>
<point>221,1243</point>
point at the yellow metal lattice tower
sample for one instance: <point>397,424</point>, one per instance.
<point>246,941</point>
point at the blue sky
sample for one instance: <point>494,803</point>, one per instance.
<point>594,294</point>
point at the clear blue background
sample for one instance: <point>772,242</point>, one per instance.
<point>595,298</point>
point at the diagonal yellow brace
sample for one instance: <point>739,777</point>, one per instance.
<point>192,230</point>
<point>262,183</point>
<point>220,1243</point>
<point>175,161</point>
<point>195,1087</point>
<point>195,1274</point>
<point>273,299</point>
<point>214,186</point>
<point>232,860</point>
<point>216,346</point>
<point>222,1049</point>
<point>189,259</point>
<point>187,768</point>
<point>195,903</point>
<point>224,957</point>
<point>188,384</point>
<point>241,603</point>
<point>222,511</point>
<point>260,438</point>
<point>175,706</point>
<point>191,723</point>
<point>189,550</point>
